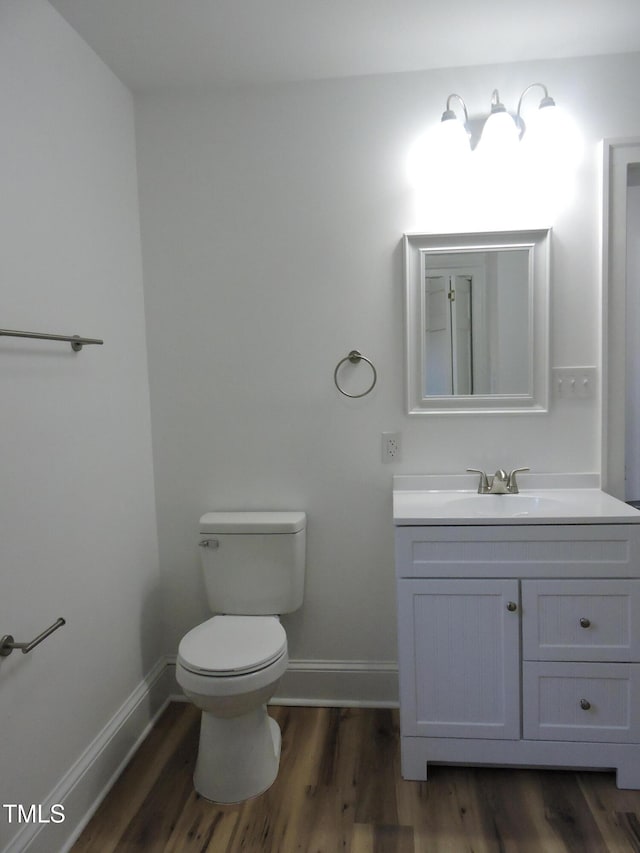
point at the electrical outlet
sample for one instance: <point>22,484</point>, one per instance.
<point>391,447</point>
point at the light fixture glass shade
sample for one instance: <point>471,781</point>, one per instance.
<point>495,172</point>
<point>499,136</point>
<point>551,151</point>
<point>438,169</point>
<point>440,154</point>
<point>552,138</point>
<point>452,140</point>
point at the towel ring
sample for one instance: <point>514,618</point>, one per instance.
<point>355,357</point>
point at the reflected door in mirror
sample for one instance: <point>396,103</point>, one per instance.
<point>448,344</point>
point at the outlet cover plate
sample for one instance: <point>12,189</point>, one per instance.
<point>391,447</point>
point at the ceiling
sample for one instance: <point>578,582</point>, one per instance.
<point>169,44</point>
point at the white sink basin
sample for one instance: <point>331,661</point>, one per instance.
<point>531,506</point>
<point>510,506</point>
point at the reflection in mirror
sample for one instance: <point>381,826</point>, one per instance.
<point>477,321</point>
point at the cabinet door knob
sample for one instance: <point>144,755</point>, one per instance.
<point>585,704</point>
<point>512,606</point>
<point>585,623</point>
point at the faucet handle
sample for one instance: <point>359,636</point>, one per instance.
<point>483,485</point>
<point>512,484</point>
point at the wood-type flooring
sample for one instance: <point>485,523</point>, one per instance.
<point>339,790</point>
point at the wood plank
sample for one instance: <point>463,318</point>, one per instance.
<point>369,838</point>
<point>617,813</point>
<point>568,812</point>
<point>202,826</point>
<point>377,748</point>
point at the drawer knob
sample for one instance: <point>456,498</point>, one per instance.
<point>512,606</point>
<point>585,623</point>
<point>585,704</point>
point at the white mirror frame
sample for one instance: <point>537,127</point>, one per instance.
<point>538,243</point>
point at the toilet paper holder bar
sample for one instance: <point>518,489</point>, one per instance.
<point>7,643</point>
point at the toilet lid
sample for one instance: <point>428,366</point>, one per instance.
<point>232,645</point>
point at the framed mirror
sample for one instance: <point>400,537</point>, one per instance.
<point>477,321</point>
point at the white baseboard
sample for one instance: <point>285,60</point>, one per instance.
<point>334,683</point>
<point>87,782</point>
<point>365,684</point>
<point>338,683</point>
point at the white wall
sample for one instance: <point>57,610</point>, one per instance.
<point>77,525</point>
<point>272,221</point>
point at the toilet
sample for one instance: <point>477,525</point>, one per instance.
<point>230,665</point>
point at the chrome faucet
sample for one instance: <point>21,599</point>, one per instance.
<point>500,484</point>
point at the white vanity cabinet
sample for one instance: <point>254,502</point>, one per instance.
<point>519,644</point>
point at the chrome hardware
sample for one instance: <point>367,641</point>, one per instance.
<point>585,623</point>
<point>585,704</point>
<point>209,543</point>
<point>75,340</point>
<point>496,485</point>
<point>483,485</point>
<point>500,484</point>
<point>7,643</point>
<point>512,485</point>
<point>512,607</point>
<point>355,357</point>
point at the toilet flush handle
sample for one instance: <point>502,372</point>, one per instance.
<point>209,543</point>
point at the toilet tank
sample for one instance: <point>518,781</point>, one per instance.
<point>253,562</point>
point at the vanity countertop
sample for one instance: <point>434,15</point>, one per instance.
<point>566,499</point>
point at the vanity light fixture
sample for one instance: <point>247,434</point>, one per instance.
<point>501,130</point>
<point>522,161</point>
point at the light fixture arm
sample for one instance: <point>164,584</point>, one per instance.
<point>449,114</point>
<point>496,104</point>
<point>546,101</point>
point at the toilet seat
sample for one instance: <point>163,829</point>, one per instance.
<point>227,646</point>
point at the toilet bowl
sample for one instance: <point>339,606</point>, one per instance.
<point>230,665</point>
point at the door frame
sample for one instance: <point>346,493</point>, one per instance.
<point>618,154</point>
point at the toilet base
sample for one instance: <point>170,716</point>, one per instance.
<point>238,757</point>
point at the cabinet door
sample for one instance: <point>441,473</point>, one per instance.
<point>459,650</point>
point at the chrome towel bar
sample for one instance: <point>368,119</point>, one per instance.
<point>7,643</point>
<point>75,340</point>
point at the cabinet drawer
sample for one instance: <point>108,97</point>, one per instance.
<point>581,701</point>
<point>575,620</point>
